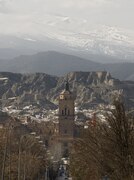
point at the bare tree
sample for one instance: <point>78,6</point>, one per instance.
<point>22,156</point>
<point>107,149</point>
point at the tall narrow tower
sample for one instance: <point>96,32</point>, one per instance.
<point>66,118</point>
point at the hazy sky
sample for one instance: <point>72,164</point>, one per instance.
<point>118,13</point>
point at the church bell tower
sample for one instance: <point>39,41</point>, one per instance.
<point>66,117</point>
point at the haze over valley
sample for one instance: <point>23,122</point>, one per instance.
<point>71,44</point>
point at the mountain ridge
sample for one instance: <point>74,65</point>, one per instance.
<point>55,63</point>
<point>72,35</point>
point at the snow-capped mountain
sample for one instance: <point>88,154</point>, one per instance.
<point>101,39</point>
<point>56,32</point>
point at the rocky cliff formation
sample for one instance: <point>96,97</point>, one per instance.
<point>42,90</point>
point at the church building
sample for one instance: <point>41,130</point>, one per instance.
<point>66,118</point>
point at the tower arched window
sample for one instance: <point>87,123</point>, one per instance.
<point>68,112</point>
<point>65,131</point>
<point>65,111</point>
<point>62,112</point>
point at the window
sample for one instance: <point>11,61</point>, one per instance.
<point>65,111</point>
<point>65,131</point>
<point>46,143</point>
<point>68,112</point>
<point>66,153</point>
<point>62,112</point>
<point>65,144</point>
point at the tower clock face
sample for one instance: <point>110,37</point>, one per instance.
<point>61,97</point>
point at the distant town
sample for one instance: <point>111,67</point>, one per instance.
<point>50,138</point>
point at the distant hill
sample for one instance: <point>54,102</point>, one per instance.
<point>122,71</point>
<point>42,90</point>
<point>49,62</point>
<point>59,64</point>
